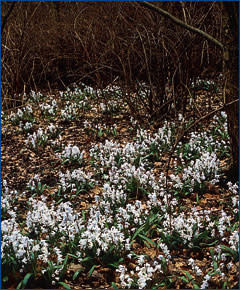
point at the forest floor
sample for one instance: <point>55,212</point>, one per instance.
<point>93,198</point>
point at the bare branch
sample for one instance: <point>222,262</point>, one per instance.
<point>5,17</point>
<point>181,23</point>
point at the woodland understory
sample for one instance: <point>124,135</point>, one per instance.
<point>94,197</point>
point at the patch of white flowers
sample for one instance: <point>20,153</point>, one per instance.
<point>195,268</point>
<point>41,137</point>
<point>25,127</point>
<point>49,108</point>
<point>126,175</point>
<point>44,220</point>
<point>36,97</point>
<point>23,114</point>
<point>14,242</point>
<point>141,275</point>
<point>205,284</point>
<point>70,182</point>
<point>37,138</point>
<point>72,153</point>
<point>78,94</point>
<point>234,188</point>
<point>234,241</point>
<point>32,184</point>
<point>70,111</point>
<point>204,168</point>
<point>137,152</point>
<point>109,106</point>
<point>7,200</point>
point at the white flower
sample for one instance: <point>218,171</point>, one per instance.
<point>75,151</point>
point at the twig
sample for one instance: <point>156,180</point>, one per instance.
<point>5,18</point>
<point>194,124</point>
<point>181,23</point>
<point>180,138</point>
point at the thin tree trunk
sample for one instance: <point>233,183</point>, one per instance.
<point>5,18</point>
<point>231,78</point>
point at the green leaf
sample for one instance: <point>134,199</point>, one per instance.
<point>26,279</point>
<point>209,245</point>
<point>24,282</point>
<point>215,265</point>
<point>100,133</point>
<point>77,273</point>
<point>50,264</point>
<point>197,198</point>
<point>162,285</point>
<point>195,286</point>
<point>91,270</point>
<point>224,285</point>
<point>65,264</point>
<point>188,275</point>
<point>111,248</point>
<point>19,286</point>
<point>86,259</point>
<point>147,244</point>
<point>66,286</point>
<point>114,285</point>
<point>5,279</point>
<point>227,249</point>
<point>83,215</point>
<point>159,242</point>
<point>59,201</point>
<point>153,218</point>
<point>116,264</point>
<point>136,233</point>
<point>184,279</point>
<point>147,239</point>
<point>212,253</point>
<point>74,256</point>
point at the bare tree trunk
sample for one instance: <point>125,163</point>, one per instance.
<point>231,78</point>
<point>5,17</point>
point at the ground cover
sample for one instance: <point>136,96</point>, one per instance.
<point>89,201</point>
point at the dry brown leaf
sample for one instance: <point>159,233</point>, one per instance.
<point>158,163</point>
<point>75,267</point>
<point>83,204</point>
<point>152,253</point>
<point>132,266</point>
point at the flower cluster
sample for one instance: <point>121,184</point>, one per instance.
<point>60,222</point>
<point>78,94</point>
<point>72,154</point>
<point>25,115</point>
<point>8,198</point>
<point>194,176</point>
<point>142,275</point>
<point>36,97</point>
<point>49,109</point>
<point>15,244</point>
<point>203,84</point>
<point>195,268</point>
<point>70,112</point>
<point>37,139</point>
<point>74,182</point>
<point>100,130</point>
<point>27,127</point>
<point>136,203</point>
<point>111,106</point>
<point>41,137</point>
